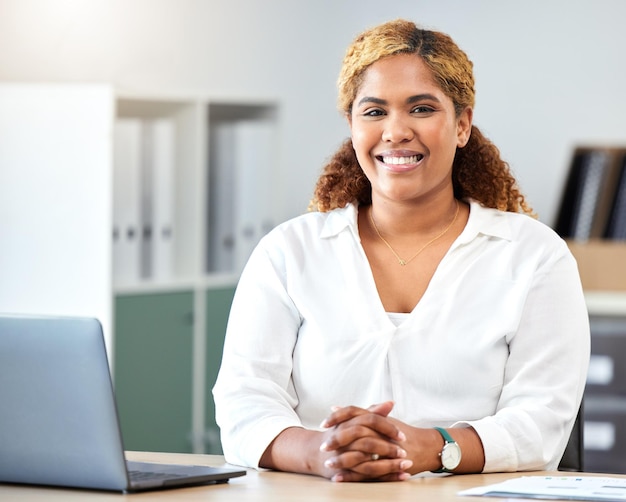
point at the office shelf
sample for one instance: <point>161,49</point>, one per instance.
<point>193,177</point>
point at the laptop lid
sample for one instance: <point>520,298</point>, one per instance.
<point>58,419</point>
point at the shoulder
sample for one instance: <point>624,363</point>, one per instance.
<point>315,225</point>
<point>510,225</point>
<point>519,231</point>
<point>308,234</point>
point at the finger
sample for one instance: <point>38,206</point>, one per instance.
<point>354,456</point>
<point>347,412</point>
<point>366,417</point>
<point>354,437</point>
<point>356,477</point>
<point>378,474</point>
<point>382,409</point>
<point>342,414</point>
<point>347,460</point>
<point>377,446</point>
<point>368,425</point>
<point>382,467</point>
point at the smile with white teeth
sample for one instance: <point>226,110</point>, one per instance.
<point>413,159</point>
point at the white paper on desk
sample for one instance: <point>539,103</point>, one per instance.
<point>556,488</point>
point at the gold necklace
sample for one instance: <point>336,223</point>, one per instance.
<point>400,260</point>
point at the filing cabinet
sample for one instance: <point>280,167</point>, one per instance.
<point>605,397</point>
<point>159,363</point>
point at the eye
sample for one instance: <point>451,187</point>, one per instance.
<point>373,112</point>
<point>421,109</point>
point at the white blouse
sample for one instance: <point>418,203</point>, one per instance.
<point>500,339</point>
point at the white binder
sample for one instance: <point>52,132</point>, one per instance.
<point>158,196</point>
<point>127,162</point>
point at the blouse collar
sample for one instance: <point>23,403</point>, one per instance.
<point>482,220</point>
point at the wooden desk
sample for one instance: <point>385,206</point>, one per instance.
<point>272,486</point>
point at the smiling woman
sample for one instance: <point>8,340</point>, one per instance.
<point>419,314</point>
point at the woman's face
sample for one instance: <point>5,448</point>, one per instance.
<point>405,131</point>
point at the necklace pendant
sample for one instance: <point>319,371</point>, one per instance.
<point>402,262</point>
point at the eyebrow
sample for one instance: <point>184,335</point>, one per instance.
<point>410,100</point>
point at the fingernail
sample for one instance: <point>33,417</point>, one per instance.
<point>335,408</point>
<point>324,446</point>
<point>337,478</point>
<point>330,463</point>
<point>401,453</point>
<point>403,476</point>
<point>324,424</point>
<point>405,464</point>
<point>401,436</point>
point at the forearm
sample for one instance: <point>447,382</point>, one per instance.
<point>473,455</point>
<point>295,450</point>
<point>425,445</point>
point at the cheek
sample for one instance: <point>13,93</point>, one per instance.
<point>359,136</point>
<point>447,136</point>
<point>362,144</point>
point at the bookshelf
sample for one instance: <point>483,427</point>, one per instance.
<point>184,170</point>
<point>193,177</point>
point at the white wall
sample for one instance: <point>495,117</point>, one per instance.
<point>550,73</point>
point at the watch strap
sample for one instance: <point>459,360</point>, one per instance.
<point>447,438</point>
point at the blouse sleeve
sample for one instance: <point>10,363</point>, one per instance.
<point>254,394</point>
<point>545,374</point>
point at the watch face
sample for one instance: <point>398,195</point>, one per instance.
<point>451,456</point>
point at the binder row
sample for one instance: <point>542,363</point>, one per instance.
<point>150,186</point>
<point>593,204</point>
<point>240,190</point>
<point>143,204</point>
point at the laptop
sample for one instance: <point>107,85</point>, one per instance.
<point>58,418</point>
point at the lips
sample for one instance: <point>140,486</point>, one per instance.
<point>400,160</point>
<point>394,160</point>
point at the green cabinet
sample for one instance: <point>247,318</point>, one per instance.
<point>218,303</point>
<point>156,335</point>
<point>153,370</point>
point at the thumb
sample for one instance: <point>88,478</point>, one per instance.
<point>382,409</point>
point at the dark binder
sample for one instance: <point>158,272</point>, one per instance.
<point>616,227</point>
<point>588,194</point>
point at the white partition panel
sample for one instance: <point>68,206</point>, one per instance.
<point>55,200</point>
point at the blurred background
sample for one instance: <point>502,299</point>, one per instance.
<point>146,146</point>
<point>549,75</point>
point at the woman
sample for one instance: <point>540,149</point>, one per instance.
<point>418,320</point>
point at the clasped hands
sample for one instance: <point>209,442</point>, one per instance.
<point>365,445</point>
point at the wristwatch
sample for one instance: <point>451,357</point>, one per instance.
<point>450,454</point>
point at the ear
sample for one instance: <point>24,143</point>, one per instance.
<point>464,126</point>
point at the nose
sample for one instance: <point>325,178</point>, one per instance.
<point>397,129</point>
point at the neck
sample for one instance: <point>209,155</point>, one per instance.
<point>411,220</point>
<point>402,260</point>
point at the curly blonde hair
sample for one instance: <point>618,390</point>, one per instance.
<point>478,171</point>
